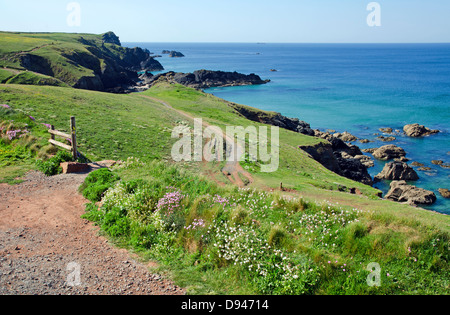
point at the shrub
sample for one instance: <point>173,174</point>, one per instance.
<point>96,183</point>
<point>52,166</point>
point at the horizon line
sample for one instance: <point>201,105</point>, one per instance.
<point>232,42</point>
<point>269,43</point>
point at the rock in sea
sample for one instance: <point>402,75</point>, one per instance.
<point>444,193</point>
<point>397,171</point>
<point>416,131</point>
<point>402,192</point>
<point>389,152</point>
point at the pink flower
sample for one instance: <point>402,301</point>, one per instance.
<point>220,200</point>
<point>32,118</point>
<point>5,106</point>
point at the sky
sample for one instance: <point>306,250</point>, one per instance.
<point>269,21</point>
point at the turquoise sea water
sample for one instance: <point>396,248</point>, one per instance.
<point>357,88</point>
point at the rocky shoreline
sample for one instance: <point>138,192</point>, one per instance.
<point>339,155</point>
<point>396,169</point>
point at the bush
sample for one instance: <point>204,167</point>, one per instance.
<point>52,166</point>
<point>96,183</point>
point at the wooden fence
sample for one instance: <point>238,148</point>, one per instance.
<point>72,137</point>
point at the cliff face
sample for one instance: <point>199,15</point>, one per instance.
<point>93,62</point>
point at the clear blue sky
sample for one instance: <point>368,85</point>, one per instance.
<point>236,20</point>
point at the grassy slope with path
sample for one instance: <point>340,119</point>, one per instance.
<point>140,125</point>
<point>119,126</point>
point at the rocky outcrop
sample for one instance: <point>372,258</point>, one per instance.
<point>345,136</point>
<point>175,54</point>
<point>274,119</point>
<point>365,160</point>
<point>400,191</point>
<point>397,171</point>
<point>386,139</point>
<point>324,154</point>
<point>353,164</point>
<point>137,59</point>
<point>387,130</point>
<point>354,169</point>
<point>111,38</point>
<point>444,192</point>
<point>341,158</point>
<point>416,131</point>
<point>203,79</point>
<point>389,152</point>
<point>146,77</point>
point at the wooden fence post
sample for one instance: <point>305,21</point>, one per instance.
<point>52,135</point>
<point>73,130</point>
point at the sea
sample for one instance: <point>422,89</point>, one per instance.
<point>358,88</point>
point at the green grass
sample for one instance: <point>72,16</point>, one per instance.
<point>108,126</point>
<point>19,151</point>
<point>31,78</point>
<point>5,75</point>
<point>410,244</point>
<point>215,240</point>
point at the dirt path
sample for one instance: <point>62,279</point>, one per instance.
<point>44,242</point>
<point>233,169</point>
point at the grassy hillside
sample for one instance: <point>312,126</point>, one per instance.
<point>50,47</point>
<point>225,240</point>
<point>78,60</point>
<point>109,126</point>
<point>327,236</point>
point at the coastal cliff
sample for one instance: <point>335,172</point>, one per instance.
<point>84,61</point>
<point>344,159</point>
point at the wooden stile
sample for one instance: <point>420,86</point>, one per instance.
<point>72,137</point>
<point>59,144</point>
<point>73,130</point>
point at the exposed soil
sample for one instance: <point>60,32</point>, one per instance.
<point>43,239</point>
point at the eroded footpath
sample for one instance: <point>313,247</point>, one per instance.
<point>47,249</point>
